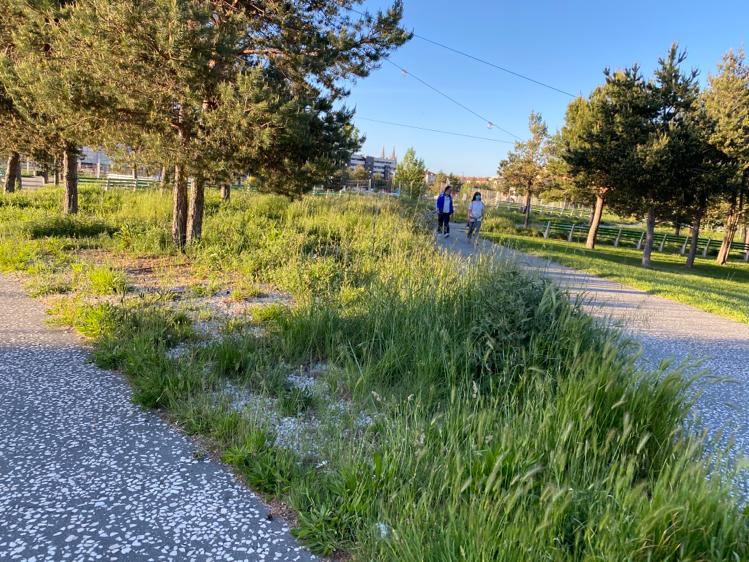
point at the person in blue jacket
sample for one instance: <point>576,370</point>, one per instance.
<point>444,210</point>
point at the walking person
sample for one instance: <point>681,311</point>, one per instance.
<point>444,210</point>
<point>475,215</point>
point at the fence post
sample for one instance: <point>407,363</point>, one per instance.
<point>704,252</point>
<point>639,242</point>
<point>684,246</point>
<point>660,248</point>
<point>572,231</point>
<point>548,228</point>
<point>618,237</point>
<point>106,187</point>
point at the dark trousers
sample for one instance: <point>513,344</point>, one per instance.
<point>443,223</point>
<point>474,225</point>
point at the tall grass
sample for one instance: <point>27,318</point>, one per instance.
<point>509,425</point>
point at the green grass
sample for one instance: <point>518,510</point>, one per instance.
<point>722,290</point>
<point>506,424</point>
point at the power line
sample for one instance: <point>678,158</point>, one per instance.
<point>483,61</point>
<point>489,122</point>
<point>498,67</point>
<point>433,130</point>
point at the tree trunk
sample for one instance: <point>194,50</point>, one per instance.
<point>45,173</point>
<point>696,221</point>
<point>195,214</point>
<point>134,172</point>
<point>590,243</point>
<point>732,222</point>
<point>11,171</point>
<point>57,171</point>
<point>70,173</point>
<point>677,228</point>
<point>527,210</point>
<point>225,192</point>
<point>19,176</point>
<point>179,207</point>
<point>649,234</point>
<point>746,234</point>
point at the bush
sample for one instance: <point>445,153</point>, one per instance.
<point>104,280</point>
<point>69,227</point>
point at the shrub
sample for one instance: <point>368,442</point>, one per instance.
<point>104,280</point>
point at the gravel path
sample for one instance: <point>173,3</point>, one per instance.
<point>665,330</point>
<point>87,475</point>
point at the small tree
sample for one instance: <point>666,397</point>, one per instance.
<point>440,181</point>
<point>524,167</point>
<point>455,182</point>
<point>727,103</point>
<point>409,175</point>
<point>600,139</point>
<point>704,171</point>
<point>28,76</point>
<point>674,95</point>
<point>360,173</point>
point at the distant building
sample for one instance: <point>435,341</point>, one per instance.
<point>477,179</point>
<point>94,161</point>
<point>384,167</point>
<point>429,178</point>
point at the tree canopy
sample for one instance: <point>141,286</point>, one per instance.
<point>410,175</point>
<point>213,89</point>
<point>525,166</point>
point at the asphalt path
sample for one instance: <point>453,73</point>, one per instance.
<point>87,475</point>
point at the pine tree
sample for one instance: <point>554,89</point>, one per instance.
<point>674,95</point>
<point>727,103</point>
<point>28,76</point>
<point>220,89</point>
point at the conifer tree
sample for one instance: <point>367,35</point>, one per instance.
<point>221,88</point>
<point>727,103</point>
<point>29,74</point>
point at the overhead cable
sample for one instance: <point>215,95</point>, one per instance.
<point>498,67</point>
<point>489,123</point>
<point>482,61</point>
<point>433,130</point>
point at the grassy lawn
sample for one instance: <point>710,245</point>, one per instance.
<point>722,290</point>
<point>402,406</point>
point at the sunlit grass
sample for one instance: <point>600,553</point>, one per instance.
<point>722,290</point>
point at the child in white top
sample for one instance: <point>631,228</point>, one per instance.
<point>475,215</point>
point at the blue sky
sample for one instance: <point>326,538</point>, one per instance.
<point>564,43</point>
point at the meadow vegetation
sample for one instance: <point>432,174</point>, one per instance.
<point>405,405</point>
